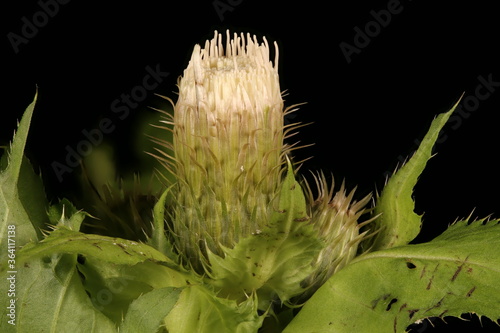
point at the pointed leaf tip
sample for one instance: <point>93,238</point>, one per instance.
<point>19,141</point>
<point>398,224</point>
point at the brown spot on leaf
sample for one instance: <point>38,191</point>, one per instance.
<point>432,277</point>
<point>122,246</point>
<point>423,272</point>
<point>459,269</point>
<point>469,293</point>
<point>441,315</point>
<point>412,312</point>
<point>437,305</point>
<point>456,273</point>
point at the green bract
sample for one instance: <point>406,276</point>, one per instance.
<point>233,242</point>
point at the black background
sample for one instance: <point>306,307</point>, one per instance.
<point>367,114</point>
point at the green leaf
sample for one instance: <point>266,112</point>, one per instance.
<point>110,263</point>
<point>200,310</point>
<point>291,212</point>
<point>49,297</point>
<point>35,285</point>
<point>275,260</point>
<point>386,291</point>
<point>112,288</point>
<point>158,239</point>
<point>65,214</point>
<point>398,224</point>
<point>147,313</point>
<point>110,249</point>
<point>23,202</point>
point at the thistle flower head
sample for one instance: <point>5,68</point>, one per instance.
<point>227,144</point>
<point>336,217</point>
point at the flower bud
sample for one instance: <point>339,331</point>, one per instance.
<point>335,216</point>
<point>227,144</point>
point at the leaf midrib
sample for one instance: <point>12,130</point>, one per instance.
<point>423,257</point>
